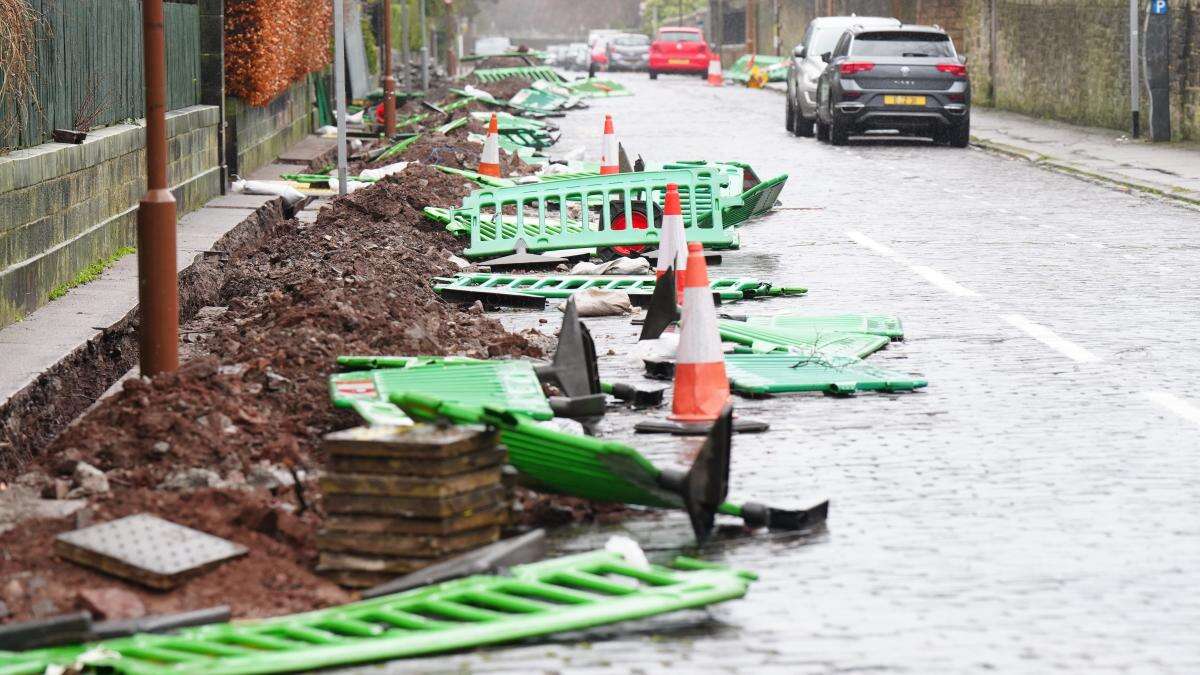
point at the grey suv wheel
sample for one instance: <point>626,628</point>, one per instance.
<point>800,126</point>
<point>839,131</point>
<point>822,130</point>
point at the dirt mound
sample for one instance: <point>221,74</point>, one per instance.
<point>501,89</point>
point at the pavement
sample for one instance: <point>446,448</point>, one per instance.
<point>1033,510</point>
<point>1166,169</point>
<point>82,316</point>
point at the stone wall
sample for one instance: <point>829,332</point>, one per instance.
<point>64,207</point>
<point>256,136</point>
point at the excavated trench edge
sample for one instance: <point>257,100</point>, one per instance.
<point>35,415</point>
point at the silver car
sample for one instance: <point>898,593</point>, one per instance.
<point>806,66</point>
<point>629,51</point>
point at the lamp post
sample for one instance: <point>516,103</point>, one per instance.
<point>158,280</point>
<point>389,81</point>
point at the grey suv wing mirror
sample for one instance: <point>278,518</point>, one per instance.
<point>800,52</point>
<point>827,57</point>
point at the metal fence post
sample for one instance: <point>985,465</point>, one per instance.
<point>339,87</point>
<point>389,81</point>
<point>158,281</point>
<point>1134,85</point>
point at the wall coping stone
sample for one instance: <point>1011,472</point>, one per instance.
<point>30,166</point>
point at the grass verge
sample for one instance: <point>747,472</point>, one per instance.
<point>91,272</point>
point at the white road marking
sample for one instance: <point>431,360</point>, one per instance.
<point>863,240</point>
<point>944,282</point>
<point>1182,407</point>
<point>1051,339</point>
<point>928,273</point>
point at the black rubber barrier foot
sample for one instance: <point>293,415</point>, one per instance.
<point>740,426</point>
<point>706,484</point>
<point>492,298</point>
<point>761,515</point>
<point>579,406</point>
<point>636,396</point>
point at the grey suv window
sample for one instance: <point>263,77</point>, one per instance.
<point>901,43</point>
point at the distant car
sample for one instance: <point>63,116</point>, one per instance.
<point>805,66</point>
<point>578,55</point>
<point>490,46</point>
<point>679,50</point>
<point>908,79</point>
<point>629,51</point>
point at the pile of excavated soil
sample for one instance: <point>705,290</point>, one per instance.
<point>453,150</point>
<point>255,397</point>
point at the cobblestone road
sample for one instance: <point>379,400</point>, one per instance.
<point>1036,509</point>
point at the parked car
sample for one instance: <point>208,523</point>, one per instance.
<point>679,50</point>
<point>908,79</point>
<point>805,66</point>
<point>578,55</point>
<point>490,46</point>
<point>629,51</point>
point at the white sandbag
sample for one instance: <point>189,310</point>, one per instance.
<point>599,302</point>
<point>664,347</point>
<point>629,550</point>
<point>384,171</point>
<point>266,187</point>
<point>617,266</point>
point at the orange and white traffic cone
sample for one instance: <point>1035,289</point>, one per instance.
<point>609,154</point>
<point>672,243</point>
<point>715,77</point>
<point>489,163</point>
<point>701,385</point>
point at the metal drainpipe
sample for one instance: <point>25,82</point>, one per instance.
<point>158,281</point>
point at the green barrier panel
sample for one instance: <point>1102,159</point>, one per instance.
<point>524,72</point>
<point>775,67</point>
<point>510,121</point>
<point>538,100</point>
<point>758,339</point>
<point>780,373</point>
<point>452,125</point>
<point>509,385</point>
<point>476,177</point>
<point>460,226</point>
<point>603,208</point>
<point>875,324</point>
<point>398,148</point>
<point>314,178</point>
<point>563,594</point>
<point>506,144</point>
<point>755,196</point>
<point>563,286</point>
<point>594,88</point>
<point>479,96</point>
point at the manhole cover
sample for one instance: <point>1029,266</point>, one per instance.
<point>146,549</point>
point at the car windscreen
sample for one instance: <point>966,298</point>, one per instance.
<point>678,36</point>
<point>632,40</point>
<point>900,43</point>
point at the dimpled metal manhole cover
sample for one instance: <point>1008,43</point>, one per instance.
<point>146,549</point>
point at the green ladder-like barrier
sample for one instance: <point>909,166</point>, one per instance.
<point>460,226</point>
<point>754,196</point>
<point>781,373</point>
<point>611,210</point>
<point>510,385</point>
<point>834,342</point>
<point>874,324</point>
<point>524,72</point>
<point>563,286</point>
<point>564,594</point>
<point>594,88</point>
<point>509,120</point>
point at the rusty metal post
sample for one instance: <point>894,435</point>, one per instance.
<point>389,80</point>
<point>158,280</point>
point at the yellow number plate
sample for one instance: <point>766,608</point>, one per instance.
<point>904,100</point>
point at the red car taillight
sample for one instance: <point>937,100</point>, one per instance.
<point>853,67</point>
<point>955,69</point>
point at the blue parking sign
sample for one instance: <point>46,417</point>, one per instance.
<point>1158,6</point>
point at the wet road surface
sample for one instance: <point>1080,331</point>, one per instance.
<point>1035,509</point>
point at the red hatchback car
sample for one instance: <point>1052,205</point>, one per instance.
<point>679,50</point>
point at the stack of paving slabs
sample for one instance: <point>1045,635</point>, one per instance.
<point>401,498</point>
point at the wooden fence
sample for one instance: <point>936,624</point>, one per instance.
<point>95,47</point>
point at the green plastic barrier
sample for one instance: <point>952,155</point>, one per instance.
<point>563,286</point>
<point>754,196</point>
<point>538,100</point>
<point>510,385</point>
<point>781,373</point>
<point>602,207</point>
<point>510,121</point>
<point>315,178</point>
<point>475,177</point>
<point>874,324</point>
<point>524,72</point>
<point>594,88</point>
<point>563,594</point>
<point>775,67</point>
<point>460,226</point>
<point>759,339</point>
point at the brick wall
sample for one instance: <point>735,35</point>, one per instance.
<point>63,207</point>
<point>256,136</point>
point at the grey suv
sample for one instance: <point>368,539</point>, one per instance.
<point>908,79</point>
<point>805,66</point>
